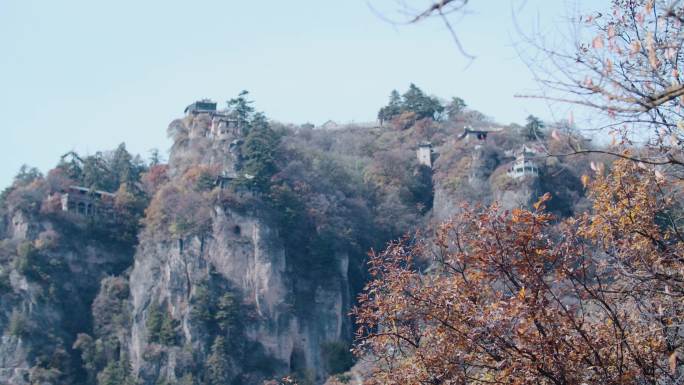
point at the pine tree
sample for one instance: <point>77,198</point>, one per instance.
<point>392,109</point>
<point>167,331</point>
<point>243,110</point>
<point>227,312</point>
<point>27,175</point>
<point>455,108</point>
<point>533,128</point>
<point>218,367</point>
<point>96,173</point>
<point>259,152</point>
<point>155,157</point>
<point>153,323</point>
<point>422,105</point>
<point>112,374</point>
<point>121,165</point>
<point>413,99</point>
<point>201,303</point>
<point>72,164</point>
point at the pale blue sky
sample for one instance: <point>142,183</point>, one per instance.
<point>87,75</point>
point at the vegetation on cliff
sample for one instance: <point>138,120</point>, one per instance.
<point>523,296</point>
<point>331,195</point>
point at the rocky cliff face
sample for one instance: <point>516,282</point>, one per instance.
<point>282,322</point>
<point>52,278</point>
<point>224,299</point>
<point>226,283</point>
<point>478,174</point>
<point>244,255</point>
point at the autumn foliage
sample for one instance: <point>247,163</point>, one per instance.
<point>522,297</point>
<point>518,298</point>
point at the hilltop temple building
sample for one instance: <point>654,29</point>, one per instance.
<point>525,164</point>
<point>224,124</point>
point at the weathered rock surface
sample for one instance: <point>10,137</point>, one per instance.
<point>246,254</point>
<point>237,300</point>
<point>43,309</point>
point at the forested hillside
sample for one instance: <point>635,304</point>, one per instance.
<point>580,285</point>
<point>239,259</point>
<point>431,246</point>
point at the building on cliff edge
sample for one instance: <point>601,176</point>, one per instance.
<point>87,202</point>
<point>525,164</point>
<point>224,124</point>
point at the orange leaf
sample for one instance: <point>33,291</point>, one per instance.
<point>585,180</point>
<point>649,6</point>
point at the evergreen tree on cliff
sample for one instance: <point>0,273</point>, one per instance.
<point>242,108</point>
<point>259,153</point>
<point>218,367</point>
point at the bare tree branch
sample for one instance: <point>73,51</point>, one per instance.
<point>441,9</point>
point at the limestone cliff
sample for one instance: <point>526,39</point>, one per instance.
<point>283,319</point>
<point>221,288</point>
<point>239,260</point>
<point>50,278</point>
<point>252,263</point>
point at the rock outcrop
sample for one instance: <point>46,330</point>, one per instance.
<point>244,255</point>
<point>284,320</point>
<point>52,278</point>
<point>246,261</point>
